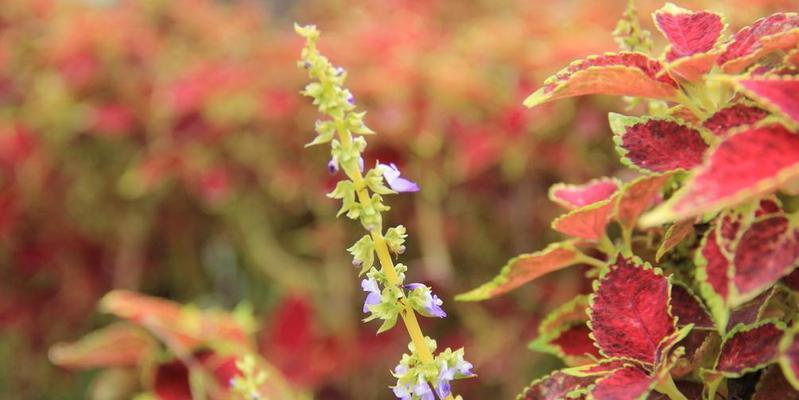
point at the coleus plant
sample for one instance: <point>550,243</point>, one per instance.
<point>693,261</point>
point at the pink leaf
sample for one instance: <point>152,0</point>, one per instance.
<point>576,196</point>
<point>780,95</point>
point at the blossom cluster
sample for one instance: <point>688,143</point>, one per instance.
<point>388,296</point>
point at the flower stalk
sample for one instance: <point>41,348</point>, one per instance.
<point>422,374</point>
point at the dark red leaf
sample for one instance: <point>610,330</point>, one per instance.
<point>630,312</point>
<point>688,309</point>
<point>750,312</point>
<point>766,252</point>
<point>657,145</point>
<point>773,385</point>
<point>732,117</point>
<point>555,386</point>
<point>749,348</point>
<point>627,383</point>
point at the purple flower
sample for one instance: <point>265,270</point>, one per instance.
<point>350,99</point>
<point>430,302</point>
<point>370,286</point>
<point>397,183</point>
<point>339,71</point>
<point>447,374</point>
<point>422,390</point>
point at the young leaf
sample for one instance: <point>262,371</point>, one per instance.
<point>742,167</point>
<point>656,145</point>
<point>775,32</point>
<point>117,345</point>
<point>689,309</point>
<point>692,68</point>
<point>732,117</point>
<point>778,94</point>
<point>525,268</point>
<point>689,32</point>
<point>676,233</point>
<point>620,74</point>
<point>630,313</point>
<point>587,222</point>
<point>576,196</point>
<point>749,348</point>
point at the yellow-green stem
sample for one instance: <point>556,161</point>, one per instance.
<point>670,389</point>
<point>386,263</point>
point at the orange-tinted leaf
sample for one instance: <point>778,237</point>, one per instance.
<point>620,74</point>
<point>676,233</point>
<point>637,196</point>
<point>587,222</point>
<point>742,167</point>
<point>777,31</point>
<point>117,345</point>
<point>525,268</point>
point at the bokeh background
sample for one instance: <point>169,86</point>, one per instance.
<point>157,146</point>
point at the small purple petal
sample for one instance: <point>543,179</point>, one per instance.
<point>434,307</point>
<point>332,167</point>
<point>398,184</point>
<point>371,299</point>
<point>412,286</point>
<point>350,99</point>
<point>443,388</point>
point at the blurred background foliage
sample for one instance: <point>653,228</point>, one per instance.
<point>157,146</point>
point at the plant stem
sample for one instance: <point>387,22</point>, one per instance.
<point>670,389</point>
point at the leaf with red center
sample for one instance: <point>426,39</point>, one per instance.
<point>576,196</point>
<point>713,271</point>
<point>747,165</point>
<point>689,32</point>
<point>564,333</point>
<point>773,385</point>
<point>789,355</point>
<point>676,233</point>
<point>587,222</point>
<point>688,308</point>
<point>627,383</point>
<point>525,268</point>
<point>556,386</point>
<point>779,94</point>
<point>656,145</point>
<point>630,311</point>
<point>775,32</point>
<point>116,345</point>
<point>766,252</point>
<point>732,117</point>
<point>749,348</point>
<point>620,74</point>
<point>638,196</point>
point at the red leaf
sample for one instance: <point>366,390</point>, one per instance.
<point>630,312</point>
<point>688,32</point>
<point>576,342</point>
<point>116,345</point>
<point>627,383</point>
<point>766,252</point>
<point>750,312</point>
<point>789,356</point>
<point>749,348</point>
<point>655,144</point>
<point>575,196</point>
<point>620,74</point>
<point>587,222</point>
<point>780,95</point>
<point>777,31</point>
<point>676,233</point>
<point>773,385</point>
<point>564,333</point>
<point>525,268</point>
<point>744,166</point>
<point>555,386</point>
<point>733,116</point>
<point>688,309</point>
